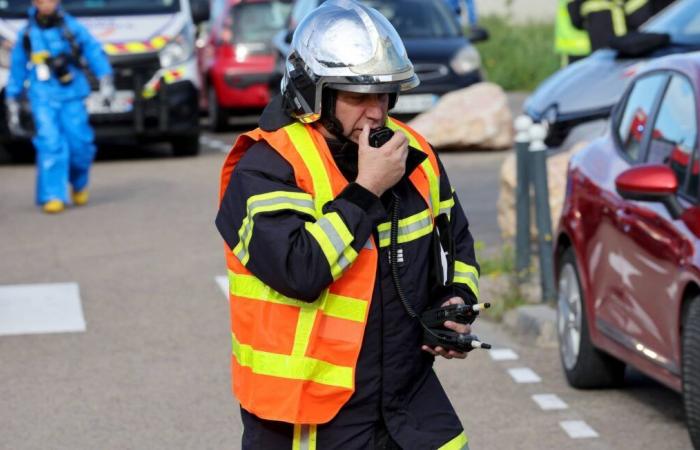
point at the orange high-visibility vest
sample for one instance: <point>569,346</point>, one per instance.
<point>294,361</point>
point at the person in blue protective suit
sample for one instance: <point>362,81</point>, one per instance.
<point>53,52</point>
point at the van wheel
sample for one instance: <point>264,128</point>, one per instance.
<point>218,116</point>
<point>691,370</point>
<point>187,145</point>
<point>585,366</point>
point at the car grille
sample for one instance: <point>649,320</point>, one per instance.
<point>133,71</point>
<point>430,71</point>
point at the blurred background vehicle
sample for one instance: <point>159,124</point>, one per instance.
<point>587,89</point>
<point>443,58</point>
<point>237,58</point>
<point>628,241</point>
<point>151,48</point>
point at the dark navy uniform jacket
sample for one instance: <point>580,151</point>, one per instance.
<point>396,389</point>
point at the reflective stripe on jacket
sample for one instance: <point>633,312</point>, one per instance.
<point>303,373</point>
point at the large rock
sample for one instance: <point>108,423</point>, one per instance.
<point>556,180</point>
<point>476,117</point>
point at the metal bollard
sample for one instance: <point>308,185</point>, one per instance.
<point>522,197</point>
<point>538,161</point>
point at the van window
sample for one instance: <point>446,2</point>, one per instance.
<point>18,8</point>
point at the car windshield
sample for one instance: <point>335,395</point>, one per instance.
<point>258,21</point>
<point>681,21</point>
<point>18,8</point>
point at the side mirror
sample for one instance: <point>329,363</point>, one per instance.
<point>651,183</point>
<point>477,34</point>
<point>200,11</point>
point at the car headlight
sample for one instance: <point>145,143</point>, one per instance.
<point>466,60</point>
<point>177,51</point>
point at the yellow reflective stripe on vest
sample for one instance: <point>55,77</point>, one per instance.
<point>305,146</point>
<point>333,236</point>
<point>304,437</point>
<point>425,165</point>
<point>466,274</point>
<point>632,6</point>
<point>617,13</point>
<point>410,228</point>
<point>332,305</point>
<point>457,443</point>
<point>446,206</point>
<point>270,201</point>
<point>291,367</point>
<point>302,335</point>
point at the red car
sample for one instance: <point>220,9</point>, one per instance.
<point>236,59</point>
<point>628,243</point>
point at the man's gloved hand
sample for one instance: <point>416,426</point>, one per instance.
<point>13,122</point>
<point>107,89</point>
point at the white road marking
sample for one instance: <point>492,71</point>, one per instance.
<point>40,308</point>
<point>549,402</point>
<point>578,429</point>
<point>524,375</point>
<point>502,354</point>
<point>222,281</point>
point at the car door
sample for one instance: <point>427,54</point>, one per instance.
<point>650,245</point>
<point>611,275</point>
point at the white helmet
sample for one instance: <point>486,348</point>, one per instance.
<point>346,46</point>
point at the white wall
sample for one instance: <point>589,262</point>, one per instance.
<point>519,10</point>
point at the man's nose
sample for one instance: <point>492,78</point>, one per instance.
<point>375,107</point>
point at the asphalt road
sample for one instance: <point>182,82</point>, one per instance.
<point>150,370</point>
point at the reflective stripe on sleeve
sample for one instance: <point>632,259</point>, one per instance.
<point>291,367</point>
<point>633,5</point>
<point>332,305</point>
<point>410,228</point>
<point>459,442</point>
<point>270,201</point>
<point>466,274</point>
<point>333,236</point>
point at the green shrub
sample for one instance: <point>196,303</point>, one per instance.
<point>517,56</point>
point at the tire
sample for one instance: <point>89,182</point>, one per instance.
<point>218,116</point>
<point>585,366</point>
<point>691,370</point>
<point>187,145</point>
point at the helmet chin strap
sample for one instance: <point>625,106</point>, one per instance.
<point>328,119</point>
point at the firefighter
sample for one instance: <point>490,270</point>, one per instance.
<point>571,43</point>
<point>324,352</point>
<point>52,52</point>
<point>605,19</point>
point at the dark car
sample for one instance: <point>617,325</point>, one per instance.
<point>443,58</point>
<point>628,241</point>
<point>587,89</point>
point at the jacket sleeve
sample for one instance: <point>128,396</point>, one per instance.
<point>272,226</point>
<point>18,68</point>
<point>465,282</point>
<point>92,50</point>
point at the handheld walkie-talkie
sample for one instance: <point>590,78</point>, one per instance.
<point>379,136</point>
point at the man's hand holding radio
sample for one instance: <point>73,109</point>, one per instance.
<point>380,168</point>
<point>454,326</point>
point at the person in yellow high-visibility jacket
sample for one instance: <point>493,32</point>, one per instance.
<point>605,19</point>
<point>571,43</point>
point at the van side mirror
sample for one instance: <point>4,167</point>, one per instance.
<point>651,183</point>
<point>200,11</point>
<point>477,34</point>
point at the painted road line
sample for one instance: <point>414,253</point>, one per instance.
<point>222,281</point>
<point>578,429</point>
<point>524,375</point>
<point>502,354</point>
<point>40,308</point>
<point>549,402</point>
